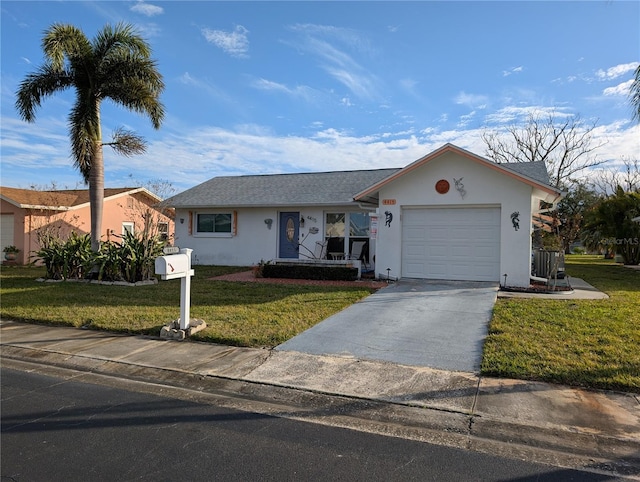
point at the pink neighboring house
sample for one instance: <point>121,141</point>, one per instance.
<point>25,212</point>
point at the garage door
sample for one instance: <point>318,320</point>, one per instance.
<point>6,231</point>
<point>451,243</point>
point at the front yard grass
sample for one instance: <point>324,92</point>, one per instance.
<point>585,343</point>
<point>240,314</point>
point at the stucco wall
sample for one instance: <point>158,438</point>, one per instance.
<point>483,187</point>
<point>116,211</point>
<point>253,240</point>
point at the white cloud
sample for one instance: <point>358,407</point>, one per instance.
<point>472,100</point>
<point>147,9</point>
<point>207,87</point>
<point>300,91</point>
<point>466,119</point>
<point>149,30</point>
<point>619,90</point>
<point>321,41</point>
<point>506,73</point>
<point>234,43</point>
<point>518,114</point>
<point>351,38</point>
<point>616,71</point>
<point>193,154</point>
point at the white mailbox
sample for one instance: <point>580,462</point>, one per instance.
<point>173,266</point>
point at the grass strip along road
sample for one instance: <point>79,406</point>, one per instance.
<point>586,343</point>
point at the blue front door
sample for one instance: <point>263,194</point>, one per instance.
<point>289,231</point>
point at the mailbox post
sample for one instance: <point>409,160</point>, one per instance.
<point>185,292</point>
<point>174,266</point>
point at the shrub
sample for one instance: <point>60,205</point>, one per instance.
<point>66,259</point>
<point>131,260</point>
<point>313,272</point>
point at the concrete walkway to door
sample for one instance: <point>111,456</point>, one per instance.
<point>436,324</point>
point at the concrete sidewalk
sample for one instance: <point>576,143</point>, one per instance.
<point>600,430</point>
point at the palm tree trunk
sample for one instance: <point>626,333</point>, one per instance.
<point>96,198</point>
<point>96,187</point>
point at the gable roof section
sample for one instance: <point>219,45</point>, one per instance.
<point>532,173</point>
<point>62,200</point>
<point>315,188</point>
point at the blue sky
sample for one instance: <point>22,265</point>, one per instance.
<point>273,87</point>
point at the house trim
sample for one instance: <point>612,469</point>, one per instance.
<point>368,195</point>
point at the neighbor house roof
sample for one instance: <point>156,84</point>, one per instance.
<point>532,173</point>
<point>315,188</point>
<point>62,200</point>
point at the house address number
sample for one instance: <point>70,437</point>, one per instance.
<point>388,202</point>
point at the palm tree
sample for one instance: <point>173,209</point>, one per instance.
<point>115,65</point>
<point>634,95</point>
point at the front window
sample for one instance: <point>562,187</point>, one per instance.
<point>128,227</point>
<point>163,231</point>
<point>218,223</point>
<point>339,240</point>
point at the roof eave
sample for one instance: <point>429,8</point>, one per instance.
<point>550,190</point>
<point>279,205</point>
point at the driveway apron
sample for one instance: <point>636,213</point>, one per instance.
<point>436,324</point>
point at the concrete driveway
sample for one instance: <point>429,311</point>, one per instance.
<point>436,324</point>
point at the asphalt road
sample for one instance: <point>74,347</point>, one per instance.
<point>56,429</point>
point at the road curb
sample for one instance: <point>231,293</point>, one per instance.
<point>563,446</point>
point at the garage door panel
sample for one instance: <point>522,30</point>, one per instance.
<point>436,234</point>
<point>486,252</point>
<point>454,243</point>
<point>438,270</point>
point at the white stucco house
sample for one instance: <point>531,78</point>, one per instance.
<point>449,215</point>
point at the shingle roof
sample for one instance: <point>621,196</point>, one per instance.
<point>315,188</point>
<point>64,198</point>
<point>536,170</point>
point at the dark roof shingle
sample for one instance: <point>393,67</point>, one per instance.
<point>319,188</point>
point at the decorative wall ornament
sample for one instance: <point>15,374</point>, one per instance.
<point>442,186</point>
<point>515,220</point>
<point>460,186</point>
<point>388,217</point>
<point>313,230</point>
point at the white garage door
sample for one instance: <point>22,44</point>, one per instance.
<point>6,231</point>
<point>451,243</point>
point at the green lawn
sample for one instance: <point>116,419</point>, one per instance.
<point>588,343</point>
<point>241,314</point>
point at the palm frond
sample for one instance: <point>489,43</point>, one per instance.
<point>36,86</point>
<point>114,41</point>
<point>127,143</point>
<point>84,126</point>
<point>65,41</point>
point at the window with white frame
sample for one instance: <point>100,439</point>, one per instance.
<point>128,227</point>
<point>163,230</point>
<point>213,223</point>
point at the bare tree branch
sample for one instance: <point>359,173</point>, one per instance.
<point>566,147</point>
<point>607,180</point>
